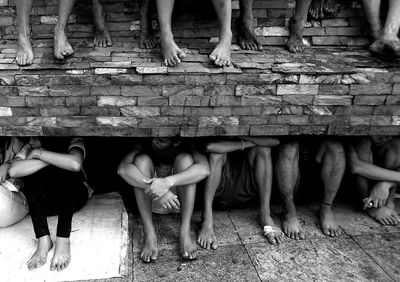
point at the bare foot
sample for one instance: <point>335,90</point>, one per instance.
<point>385,215</point>
<point>188,245</point>
<point>273,233</point>
<point>221,56</point>
<point>328,223</point>
<point>102,37</point>
<point>206,238</point>
<point>393,45</point>
<point>62,254</point>
<point>292,227</point>
<point>247,38</point>
<point>147,39</point>
<point>171,52</point>
<point>295,44</point>
<point>24,55</point>
<point>329,8</point>
<point>378,47</point>
<point>149,251</point>
<point>62,48</point>
<point>39,258</point>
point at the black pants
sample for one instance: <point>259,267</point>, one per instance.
<point>54,191</point>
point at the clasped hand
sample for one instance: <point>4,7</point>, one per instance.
<point>378,195</point>
<point>158,187</point>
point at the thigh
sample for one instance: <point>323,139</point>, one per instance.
<point>13,207</point>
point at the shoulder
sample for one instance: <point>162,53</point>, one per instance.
<point>77,143</point>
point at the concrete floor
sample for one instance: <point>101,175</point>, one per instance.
<point>366,251</point>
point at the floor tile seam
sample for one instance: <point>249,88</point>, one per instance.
<point>244,246</point>
<point>372,258</point>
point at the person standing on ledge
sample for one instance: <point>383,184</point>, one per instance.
<point>164,174</point>
<point>246,36</point>
<point>377,159</point>
<point>386,40</point>
<point>62,48</point>
<point>173,55</point>
<point>55,184</point>
<point>241,174</point>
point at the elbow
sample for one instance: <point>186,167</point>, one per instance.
<point>12,172</point>
<point>75,165</point>
<point>204,171</point>
<point>121,170</point>
<point>354,168</point>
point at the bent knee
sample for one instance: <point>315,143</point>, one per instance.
<point>334,147</point>
<point>216,158</point>
<point>262,151</point>
<point>183,161</point>
<point>289,150</point>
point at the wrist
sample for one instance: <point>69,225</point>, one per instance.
<point>170,181</point>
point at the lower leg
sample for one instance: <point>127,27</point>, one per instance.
<point>62,47</point>
<point>333,163</point>
<point>24,53</point>
<point>147,39</point>
<point>206,237</point>
<point>261,165</point>
<point>171,52</point>
<point>102,37</point>
<point>372,9</point>
<point>287,176</point>
<point>186,195</point>
<point>247,38</point>
<point>298,22</point>
<point>222,52</point>
<point>392,26</point>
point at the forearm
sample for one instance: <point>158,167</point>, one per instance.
<point>69,162</point>
<point>133,176</point>
<point>263,141</point>
<point>193,174</point>
<point>222,147</point>
<point>374,172</point>
<point>26,167</point>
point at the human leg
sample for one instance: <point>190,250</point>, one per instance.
<point>206,237</point>
<point>247,38</point>
<point>146,39</point>
<point>288,177</point>
<point>13,207</point>
<point>24,52</point>
<point>172,55</point>
<point>261,167</point>
<point>102,37</point>
<point>297,23</point>
<point>391,28</point>
<point>332,159</point>
<point>62,47</point>
<point>221,56</point>
<point>186,196</point>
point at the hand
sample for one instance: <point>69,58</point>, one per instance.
<point>170,201</point>
<point>34,154</point>
<point>378,195</point>
<point>158,187</point>
<point>35,143</point>
<point>3,172</point>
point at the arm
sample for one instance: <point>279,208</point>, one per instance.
<point>263,141</point>
<point>21,168</point>
<point>4,167</point>
<point>222,147</point>
<point>369,170</point>
<point>71,161</point>
<point>130,172</point>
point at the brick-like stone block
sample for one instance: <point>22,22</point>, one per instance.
<point>387,110</point>
<point>117,121</point>
<point>140,112</point>
<point>33,91</point>
<point>261,100</point>
<point>21,131</point>
<point>218,90</point>
<point>152,70</point>
<point>318,110</point>
<point>269,130</point>
<point>329,120</point>
<point>393,100</point>
<point>289,119</point>
<point>369,100</point>
<point>371,89</point>
<point>126,79</point>
<point>41,121</point>
<point>5,111</point>
<point>25,112</point>
<point>253,90</point>
<point>194,101</point>
<point>298,99</point>
<point>333,89</point>
<point>217,120</point>
<point>69,90</point>
<point>59,111</point>
<point>301,89</point>
<point>45,101</point>
<point>106,90</point>
<point>81,101</point>
<point>353,110</point>
<point>396,89</point>
<point>308,130</point>
<point>332,100</point>
<point>197,79</point>
<point>141,90</point>
<point>152,101</point>
<point>183,90</point>
<point>81,122</point>
<point>115,101</point>
<point>99,111</point>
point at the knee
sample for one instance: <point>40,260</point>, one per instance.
<point>264,152</point>
<point>183,161</point>
<point>289,151</point>
<point>216,159</point>
<point>142,162</point>
<point>335,149</point>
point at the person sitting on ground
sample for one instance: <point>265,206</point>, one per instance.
<point>164,174</point>
<point>247,38</point>
<point>293,157</point>
<point>378,199</point>
<point>13,206</point>
<point>386,40</point>
<point>55,184</point>
<point>62,48</point>
<point>241,173</point>
<point>172,54</point>
<point>147,38</point>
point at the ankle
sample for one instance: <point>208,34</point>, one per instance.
<point>325,207</point>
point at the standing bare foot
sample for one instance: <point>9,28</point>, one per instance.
<point>329,8</point>
<point>292,227</point>
<point>24,55</point>
<point>171,52</point>
<point>62,48</point>
<point>221,56</point>
<point>188,245</point>
<point>102,37</point>
<point>273,233</point>
<point>39,258</point>
<point>316,10</point>
<point>62,254</point>
<point>247,38</point>
<point>149,251</point>
<point>206,238</point>
<point>147,39</point>
<point>328,223</point>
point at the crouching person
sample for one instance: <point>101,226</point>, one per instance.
<point>13,206</point>
<point>55,184</point>
<point>164,175</point>
<point>241,172</point>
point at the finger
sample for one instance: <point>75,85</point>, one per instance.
<point>148,180</point>
<point>375,203</point>
<point>380,203</point>
<point>367,202</point>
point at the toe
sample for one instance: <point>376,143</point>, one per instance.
<point>302,236</point>
<point>326,231</point>
<point>214,245</point>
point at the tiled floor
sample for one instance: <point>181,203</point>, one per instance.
<point>366,251</point>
